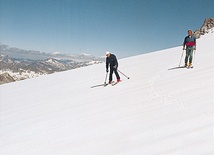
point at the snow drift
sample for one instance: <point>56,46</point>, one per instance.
<point>160,110</point>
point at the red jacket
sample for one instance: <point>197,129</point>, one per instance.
<point>189,41</point>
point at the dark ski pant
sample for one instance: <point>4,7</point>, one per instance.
<point>189,54</point>
<point>112,69</point>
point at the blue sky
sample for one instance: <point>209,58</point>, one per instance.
<point>123,27</point>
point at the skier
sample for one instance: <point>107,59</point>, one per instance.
<point>190,43</point>
<point>111,61</point>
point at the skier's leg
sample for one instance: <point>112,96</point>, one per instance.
<point>116,73</point>
<point>110,74</point>
<point>187,56</point>
<point>190,55</point>
<point>188,50</point>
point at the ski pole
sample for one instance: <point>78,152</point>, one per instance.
<point>123,74</point>
<point>181,58</point>
<point>106,77</point>
<point>194,58</point>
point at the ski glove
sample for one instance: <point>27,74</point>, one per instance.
<point>106,70</point>
<point>115,67</point>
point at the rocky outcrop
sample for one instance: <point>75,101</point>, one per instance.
<point>208,24</point>
<point>6,78</point>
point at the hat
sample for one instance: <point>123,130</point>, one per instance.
<point>107,53</point>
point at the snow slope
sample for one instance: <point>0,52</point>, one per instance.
<point>158,111</point>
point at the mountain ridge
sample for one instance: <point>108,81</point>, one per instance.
<point>207,25</point>
<point>24,64</point>
<point>20,69</point>
<point>19,53</point>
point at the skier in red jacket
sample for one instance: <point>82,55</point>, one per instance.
<point>190,43</point>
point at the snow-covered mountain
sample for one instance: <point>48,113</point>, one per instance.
<point>18,53</point>
<point>20,69</point>
<point>160,110</point>
<point>18,64</point>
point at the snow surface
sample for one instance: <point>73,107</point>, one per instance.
<point>158,111</point>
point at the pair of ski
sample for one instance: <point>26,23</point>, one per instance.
<point>105,84</point>
<point>188,67</point>
<point>113,83</point>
